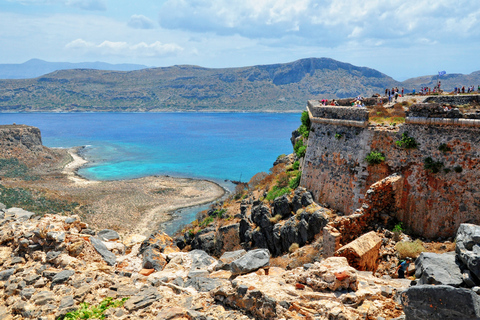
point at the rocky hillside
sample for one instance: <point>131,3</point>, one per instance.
<point>278,87</point>
<point>55,267</point>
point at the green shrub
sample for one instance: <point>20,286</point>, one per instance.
<point>276,192</point>
<point>444,148</point>
<point>398,227</point>
<point>304,128</point>
<point>296,165</point>
<point>375,157</point>
<point>407,142</point>
<point>300,149</point>
<point>338,136</point>
<point>433,166</point>
<point>219,213</point>
<point>305,119</point>
<point>206,222</point>
<point>295,182</point>
<point>94,312</point>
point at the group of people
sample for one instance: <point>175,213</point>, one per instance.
<point>326,103</point>
<point>393,93</point>
<point>470,89</point>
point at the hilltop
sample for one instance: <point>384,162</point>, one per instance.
<point>276,87</point>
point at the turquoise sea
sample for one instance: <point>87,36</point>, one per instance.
<point>213,146</point>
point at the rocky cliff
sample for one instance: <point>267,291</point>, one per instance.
<point>24,144</point>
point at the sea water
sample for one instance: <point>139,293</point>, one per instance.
<point>212,146</point>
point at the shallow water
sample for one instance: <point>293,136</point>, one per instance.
<point>213,146</point>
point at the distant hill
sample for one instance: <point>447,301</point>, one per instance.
<point>449,81</point>
<point>36,68</point>
<point>276,87</point>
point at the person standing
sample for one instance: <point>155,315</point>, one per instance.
<point>403,267</point>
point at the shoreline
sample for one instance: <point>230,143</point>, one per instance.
<point>165,210</point>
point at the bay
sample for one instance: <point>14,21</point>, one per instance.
<point>212,146</point>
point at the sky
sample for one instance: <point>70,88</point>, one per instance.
<point>401,38</point>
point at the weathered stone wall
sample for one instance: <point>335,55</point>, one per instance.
<point>455,100</point>
<point>431,204</point>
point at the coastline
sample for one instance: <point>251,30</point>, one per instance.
<point>166,196</point>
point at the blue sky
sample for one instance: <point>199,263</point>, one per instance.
<point>402,39</point>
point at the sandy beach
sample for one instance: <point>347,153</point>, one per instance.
<point>135,206</point>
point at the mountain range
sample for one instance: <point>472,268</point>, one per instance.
<point>35,68</point>
<point>275,87</point>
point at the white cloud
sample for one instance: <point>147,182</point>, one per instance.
<point>138,21</point>
<point>332,22</point>
<point>121,48</point>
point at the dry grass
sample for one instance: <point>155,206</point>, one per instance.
<point>410,249</point>
<point>381,115</point>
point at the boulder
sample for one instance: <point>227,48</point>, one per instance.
<point>202,284</point>
<point>205,242</point>
<point>434,268</point>
<point>153,259</point>
<point>108,256</point>
<point>333,273</point>
<point>62,277</point>
<point>362,253</point>
<point>201,260</point>
<point>316,222</point>
<point>251,261</point>
<point>228,257</point>
<point>281,206</point>
<point>425,302</point>
<point>227,238</point>
<point>19,213</point>
<point>244,227</point>
<point>108,235</point>
<point>468,247</point>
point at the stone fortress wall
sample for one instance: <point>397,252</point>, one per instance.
<point>430,204</point>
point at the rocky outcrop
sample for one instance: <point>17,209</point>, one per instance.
<point>287,221</point>
<point>49,265</point>
<point>20,136</point>
<point>443,281</point>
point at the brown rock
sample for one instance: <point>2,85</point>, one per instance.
<point>146,272</point>
<point>75,248</point>
<point>362,253</point>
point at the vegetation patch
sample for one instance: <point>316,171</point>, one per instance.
<point>375,157</point>
<point>13,168</point>
<point>457,169</point>
<point>431,165</point>
<point>304,128</point>
<point>37,203</point>
<point>300,149</point>
<point>410,249</point>
<point>87,311</point>
<point>407,142</point>
<point>338,136</point>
